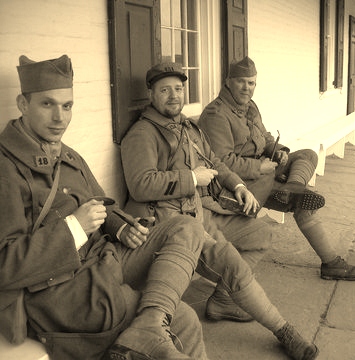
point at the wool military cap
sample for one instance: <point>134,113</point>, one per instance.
<point>243,68</point>
<point>45,75</point>
<point>163,70</point>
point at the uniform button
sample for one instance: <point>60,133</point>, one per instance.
<point>42,340</point>
<point>65,191</point>
<point>51,279</point>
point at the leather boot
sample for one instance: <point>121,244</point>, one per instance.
<point>296,347</point>
<point>148,337</point>
<point>291,196</point>
<point>221,306</point>
<point>338,269</point>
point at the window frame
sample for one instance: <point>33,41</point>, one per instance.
<point>331,57</point>
<point>189,107</point>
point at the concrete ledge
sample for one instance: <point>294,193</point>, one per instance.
<point>328,139</point>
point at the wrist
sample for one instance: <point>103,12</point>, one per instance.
<point>239,185</point>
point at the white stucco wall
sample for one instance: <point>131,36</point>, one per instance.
<point>45,29</point>
<point>284,43</point>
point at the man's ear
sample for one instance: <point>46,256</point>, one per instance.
<point>149,94</point>
<point>22,103</point>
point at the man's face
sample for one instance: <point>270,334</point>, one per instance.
<point>167,96</point>
<point>48,113</point>
<point>242,88</point>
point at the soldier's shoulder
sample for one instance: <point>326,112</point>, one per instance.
<point>214,106</point>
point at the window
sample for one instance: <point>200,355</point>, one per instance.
<point>331,44</point>
<point>203,35</point>
<point>180,41</point>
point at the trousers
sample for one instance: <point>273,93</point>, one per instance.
<point>82,317</point>
<point>251,237</point>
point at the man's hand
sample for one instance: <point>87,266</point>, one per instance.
<point>91,215</point>
<point>282,157</point>
<point>244,196</point>
<point>134,236</point>
<point>267,166</point>
<point>204,175</point>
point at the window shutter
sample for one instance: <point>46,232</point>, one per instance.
<point>339,56</point>
<point>134,30</point>
<point>323,68</point>
<point>235,32</point>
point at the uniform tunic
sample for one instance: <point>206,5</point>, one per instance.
<point>237,134</point>
<point>163,187</point>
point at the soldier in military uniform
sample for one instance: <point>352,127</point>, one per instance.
<point>238,136</point>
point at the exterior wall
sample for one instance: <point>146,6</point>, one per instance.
<point>284,43</point>
<point>43,29</point>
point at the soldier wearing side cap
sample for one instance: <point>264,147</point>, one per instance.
<point>168,167</point>
<point>238,136</point>
<point>70,262</point>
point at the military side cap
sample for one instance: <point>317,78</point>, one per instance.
<point>243,68</point>
<point>163,70</point>
<point>45,75</point>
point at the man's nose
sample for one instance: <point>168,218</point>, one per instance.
<point>173,93</point>
<point>57,114</point>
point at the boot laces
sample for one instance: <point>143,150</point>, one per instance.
<point>174,338</point>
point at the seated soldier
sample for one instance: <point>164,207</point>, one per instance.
<point>238,136</point>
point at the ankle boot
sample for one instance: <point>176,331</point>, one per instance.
<point>148,337</point>
<point>292,196</point>
<point>296,347</point>
<point>221,306</point>
<point>338,269</point>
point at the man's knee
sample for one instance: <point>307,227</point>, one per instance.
<point>309,155</point>
<point>256,235</point>
<point>306,217</point>
<point>184,231</point>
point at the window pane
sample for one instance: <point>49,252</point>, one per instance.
<point>166,45</point>
<point>178,47</point>
<point>176,13</point>
<point>191,15</point>
<point>165,12</point>
<point>192,49</point>
<point>193,86</point>
<point>180,41</point>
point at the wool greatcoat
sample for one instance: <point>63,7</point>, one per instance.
<point>76,301</point>
<point>237,134</point>
<point>158,157</point>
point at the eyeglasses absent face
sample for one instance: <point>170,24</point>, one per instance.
<point>167,96</point>
<point>242,88</point>
<point>47,114</point>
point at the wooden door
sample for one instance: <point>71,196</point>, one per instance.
<point>234,32</point>
<point>134,30</point>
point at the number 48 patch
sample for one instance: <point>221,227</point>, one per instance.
<point>41,161</point>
